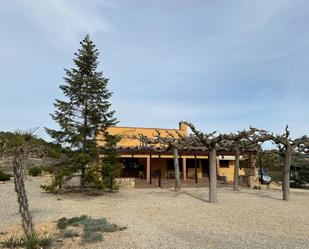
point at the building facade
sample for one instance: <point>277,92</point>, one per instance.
<point>138,161</point>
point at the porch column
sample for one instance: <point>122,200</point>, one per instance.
<point>195,168</point>
<point>148,169</point>
<point>218,166</point>
<point>184,168</point>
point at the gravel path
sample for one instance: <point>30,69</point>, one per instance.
<point>160,218</point>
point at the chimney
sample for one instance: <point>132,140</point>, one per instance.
<point>183,127</point>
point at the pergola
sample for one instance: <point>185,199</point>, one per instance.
<point>148,153</point>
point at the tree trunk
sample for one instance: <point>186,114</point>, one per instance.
<point>21,193</point>
<point>236,171</point>
<point>212,176</point>
<point>286,172</point>
<point>176,167</point>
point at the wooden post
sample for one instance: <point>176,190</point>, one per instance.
<point>195,168</point>
<point>184,168</point>
<point>218,166</point>
<point>148,168</point>
<point>159,170</point>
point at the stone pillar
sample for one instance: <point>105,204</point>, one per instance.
<point>148,169</point>
<point>184,168</point>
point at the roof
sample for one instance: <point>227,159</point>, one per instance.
<point>142,151</point>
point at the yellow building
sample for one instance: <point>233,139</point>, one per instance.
<point>137,161</point>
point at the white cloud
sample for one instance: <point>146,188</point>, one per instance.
<point>65,20</point>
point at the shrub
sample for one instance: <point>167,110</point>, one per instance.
<point>55,185</point>
<point>35,171</point>
<point>91,237</point>
<point>95,225</point>
<point>92,228</point>
<point>63,222</point>
<point>12,241</point>
<point>29,241</point>
<point>46,241</point>
<point>58,179</point>
<point>69,234</point>
<point>4,176</point>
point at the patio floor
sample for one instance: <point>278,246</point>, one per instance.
<point>170,183</point>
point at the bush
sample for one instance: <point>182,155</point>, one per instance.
<point>12,241</point>
<point>35,171</point>
<point>92,228</point>
<point>63,222</point>
<point>30,241</point>
<point>4,176</point>
<point>91,237</point>
<point>46,241</point>
<point>95,225</point>
<point>69,234</point>
<point>59,178</point>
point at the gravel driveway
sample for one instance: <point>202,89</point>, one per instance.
<point>161,218</point>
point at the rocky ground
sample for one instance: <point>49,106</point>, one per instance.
<point>161,218</point>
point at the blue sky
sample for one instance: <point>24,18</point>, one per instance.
<point>223,65</point>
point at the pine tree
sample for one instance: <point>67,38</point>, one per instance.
<point>110,164</point>
<point>86,109</point>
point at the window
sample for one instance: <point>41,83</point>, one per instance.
<point>224,163</point>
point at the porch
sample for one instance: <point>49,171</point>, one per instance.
<point>170,183</point>
<point>152,168</point>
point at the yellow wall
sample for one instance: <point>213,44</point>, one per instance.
<point>229,172</point>
<point>128,132</point>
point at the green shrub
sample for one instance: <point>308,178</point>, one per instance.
<point>59,178</point>
<point>12,241</point>
<point>92,228</point>
<point>4,176</point>
<point>95,225</point>
<point>35,171</point>
<point>46,241</point>
<point>91,237</point>
<point>69,234</point>
<point>30,241</point>
<point>63,222</point>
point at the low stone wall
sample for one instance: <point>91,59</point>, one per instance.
<point>250,181</point>
<point>128,182</point>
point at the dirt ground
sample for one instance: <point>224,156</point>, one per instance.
<point>161,218</point>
